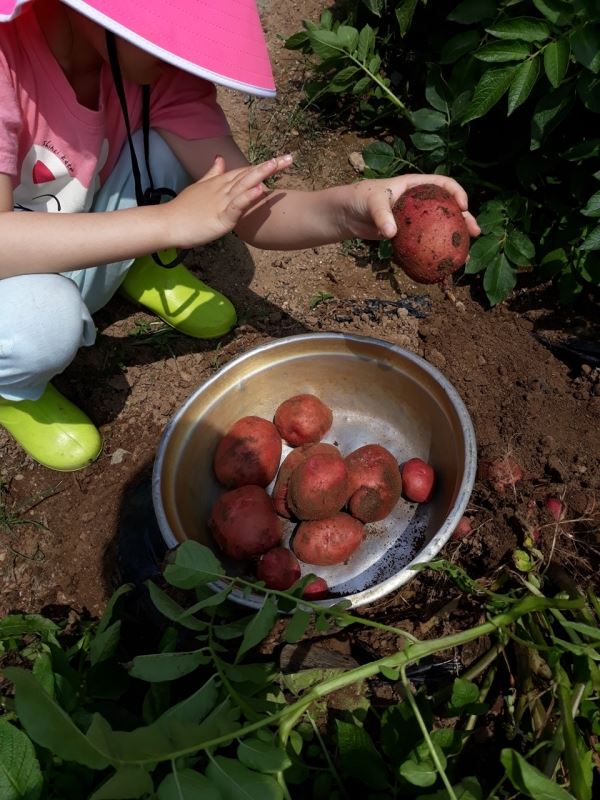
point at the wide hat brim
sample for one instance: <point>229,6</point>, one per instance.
<point>220,40</point>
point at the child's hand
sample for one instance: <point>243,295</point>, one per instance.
<point>213,205</point>
<point>369,211</point>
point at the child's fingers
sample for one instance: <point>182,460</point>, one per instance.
<point>241,202</point>
<point>380,207</point>
<point>217,168</point>
<point>449,184</point>
<point>252,176</point>
<point>472,226</point>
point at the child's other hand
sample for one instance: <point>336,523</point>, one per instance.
<point>213,205</point>
<point>370,209</point>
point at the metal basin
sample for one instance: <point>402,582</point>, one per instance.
<point>379,393</point>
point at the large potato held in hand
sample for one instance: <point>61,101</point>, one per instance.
<point>328,541</point>
<point>374,482</point>
<point>318,487</point>
<point>278,568</point>
<point>418,478</point>
<point>248,454</point>
<point>303,419</point>
<point>244,524</point>
<point>290,462</point>
<point>432,240</point>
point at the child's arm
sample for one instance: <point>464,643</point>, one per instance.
<point>34,242</point>
<point>290,220</point>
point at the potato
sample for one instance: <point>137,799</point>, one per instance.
<point>432,240</point>
<point>318,487</point>
<point>374,482</point>
<point>290,462</point>
<point>278,568</point>
<point>325,542</point>
<point>501,473</point>
<point>418,479</point>
<point>244,524</point>
<point>316,589</point>
<point>303,419</point>
<point>248,454</point>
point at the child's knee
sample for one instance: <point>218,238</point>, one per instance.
<point>43,324</point>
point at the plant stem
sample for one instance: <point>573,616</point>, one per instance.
<point>330,763</point>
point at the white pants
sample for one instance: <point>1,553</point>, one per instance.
<point>45,318</point>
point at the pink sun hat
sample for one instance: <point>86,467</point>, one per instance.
<point>220,40</point>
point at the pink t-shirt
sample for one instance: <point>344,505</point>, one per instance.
<point>57,151</point>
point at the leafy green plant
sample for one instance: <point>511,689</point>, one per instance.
<point>205,716</point>
<point>504,96</point>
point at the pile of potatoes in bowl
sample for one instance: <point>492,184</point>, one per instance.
<point>330,496</point>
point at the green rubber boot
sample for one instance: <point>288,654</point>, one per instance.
<point>54,432</point>
<point>179,298</point>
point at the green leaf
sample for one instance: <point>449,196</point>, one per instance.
<point>127,782</point>
<point>47,723</point>
<point>467,789</point>
<point>262,756</point>
<point>197,706</point>
<point>324,43</point>
<point>585,44</point>
<point>259,626</point>
<point>16,625</point>
<point>426,119</point>
<point>492,218</point>
<point>492,85</point>
<point>592,207</point>
<point>104,643</point>
<point>20,774</point>
<point>522,83</point>
<point>519,248</point>
<point>583,150</point>
<point>194,565</point>
<point>482,252</point>
<point>187,784</point>
<point>592,240</point>
<point>347,37</point>
<point>110,606</point>
<point>458,45</point>
<point>426,141</point>
<point>464,693</point>
<point>404,14</point>
<point>44,672</point>
<point>530,780</point>
<point>366,42</point>
<point>358,756</point>
<point>548,113</point>
<point>503,51</point>
<point>172,610</point>
<point>419,773</point>
<point>553,263</point>
<point>554,10</point>
<point>556,60</point>
<point>297,625</point>
<point>436,94</point>
<point>236,782</point>
<point>159,667</point>
<point>528,29</point>
<point>588,89</point>
<point>499,280</point>
<point>470,11</point>
<point>379,156</point>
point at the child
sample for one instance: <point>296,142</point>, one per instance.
<point>109,107</point>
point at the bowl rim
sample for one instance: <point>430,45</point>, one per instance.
<point>436,543</point>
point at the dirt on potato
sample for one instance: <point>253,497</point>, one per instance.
<point>529,394</point>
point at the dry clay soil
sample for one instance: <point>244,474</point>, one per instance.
<point>58,531</point>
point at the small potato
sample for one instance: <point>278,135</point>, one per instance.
<point>248,454</point>
<point>244,523</point>
<point>278,568</point>
<point>418,479</point>
<point>303,419</point>
<point>501,473</point>
<point>316,589</point>
<point>325,542</point>
<point>318,487</point>
<point>374,482</point>
<point>290,462</point>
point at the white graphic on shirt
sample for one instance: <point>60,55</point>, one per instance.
<point>47,185</point>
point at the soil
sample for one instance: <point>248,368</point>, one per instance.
<point>527,399</point>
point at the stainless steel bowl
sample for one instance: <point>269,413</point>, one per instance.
<point>380,394</point>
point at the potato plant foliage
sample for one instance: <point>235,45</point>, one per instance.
<point>188,708</point>
<point>504,95</point>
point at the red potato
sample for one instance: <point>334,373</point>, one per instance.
<point>318,487</point>
<point>325,542</point>
<point>248,454</point>
<point>555,508</point>
<point>316,590</point>
<point>418,479</point>
<point>463,529</point>
<point>501,473</point>
<point>374,482</point>
<point>278,568</point>
<point>244,524</point>
<point>290,462</point>
<point>432,240</point>
<point>303,419</point>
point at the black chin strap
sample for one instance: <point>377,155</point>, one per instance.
<point>150,196</point>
